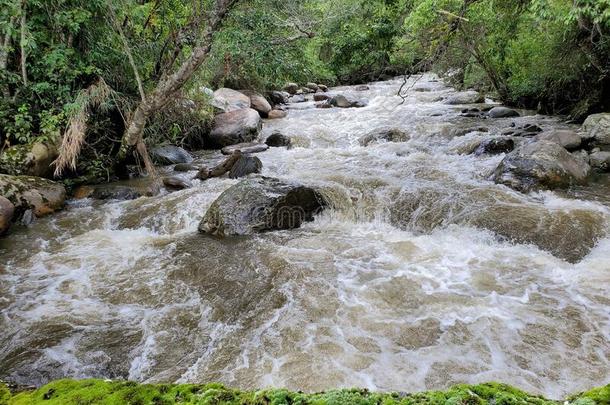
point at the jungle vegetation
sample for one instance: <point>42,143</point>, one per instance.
<point>104,78</point>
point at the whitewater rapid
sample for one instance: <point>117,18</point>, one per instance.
<point>409,282</point>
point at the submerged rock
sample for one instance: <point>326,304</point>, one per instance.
<point>235,127</point>
<point>298,98</point>
<point>465,97</point>
<point>7,209</point>
<point>276,140</point>
<point>29,160</point>
<point>564,137</point>
<point>569,234</point>
<point>40,195</point>
<point>502,112</point>
<point>114,192</point>
<point>244,166</point>
<point>538,165</point>
<point>457,132</point>
<point>227,100</point>
<point>384,134</point>
<point>169,155</point>
<point>261,204</point>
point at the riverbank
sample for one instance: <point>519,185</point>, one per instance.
<point>68,392</point>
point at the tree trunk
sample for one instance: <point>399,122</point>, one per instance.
<point>169,85</point>
<point>24,71</point>
<point>4,53</point>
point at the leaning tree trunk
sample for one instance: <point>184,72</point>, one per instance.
<point>167,88</point>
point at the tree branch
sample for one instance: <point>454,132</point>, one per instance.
<point>127,51</point>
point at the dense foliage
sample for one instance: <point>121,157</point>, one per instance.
<point>548,54</point>
<point>68,392</point>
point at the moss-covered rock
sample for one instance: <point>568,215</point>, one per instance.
<point>70,392</point>
<point>29,160</point>
<point>27,192</point>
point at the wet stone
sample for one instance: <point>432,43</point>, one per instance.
<point>176,183</point>
<point>185,167</point>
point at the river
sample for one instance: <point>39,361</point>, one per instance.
<point>423,274</point>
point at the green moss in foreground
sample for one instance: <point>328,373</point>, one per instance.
<point>86,392</point>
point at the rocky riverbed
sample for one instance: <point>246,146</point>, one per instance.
<point>438,239</point>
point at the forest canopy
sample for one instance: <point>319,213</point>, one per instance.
<point>87,70</point>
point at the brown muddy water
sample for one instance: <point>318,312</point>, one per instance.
<point>423,274</point>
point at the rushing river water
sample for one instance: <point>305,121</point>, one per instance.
<point>423,274</point>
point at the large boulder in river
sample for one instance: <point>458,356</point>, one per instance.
<point>170,155</point>
<point>465,97</point>
<point>347,101</point>
<point>564,137</point>
<point>261,204</point>
<point>29,160</point>
<point>227,100</point>
<point>502,112</point>
<point>597,128</point>
<point>7,209</point>
<point>541,164</point>
<point>40,195</point>
<point>235,127</point>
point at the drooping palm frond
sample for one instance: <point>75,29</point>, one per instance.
<point>87,100</point>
